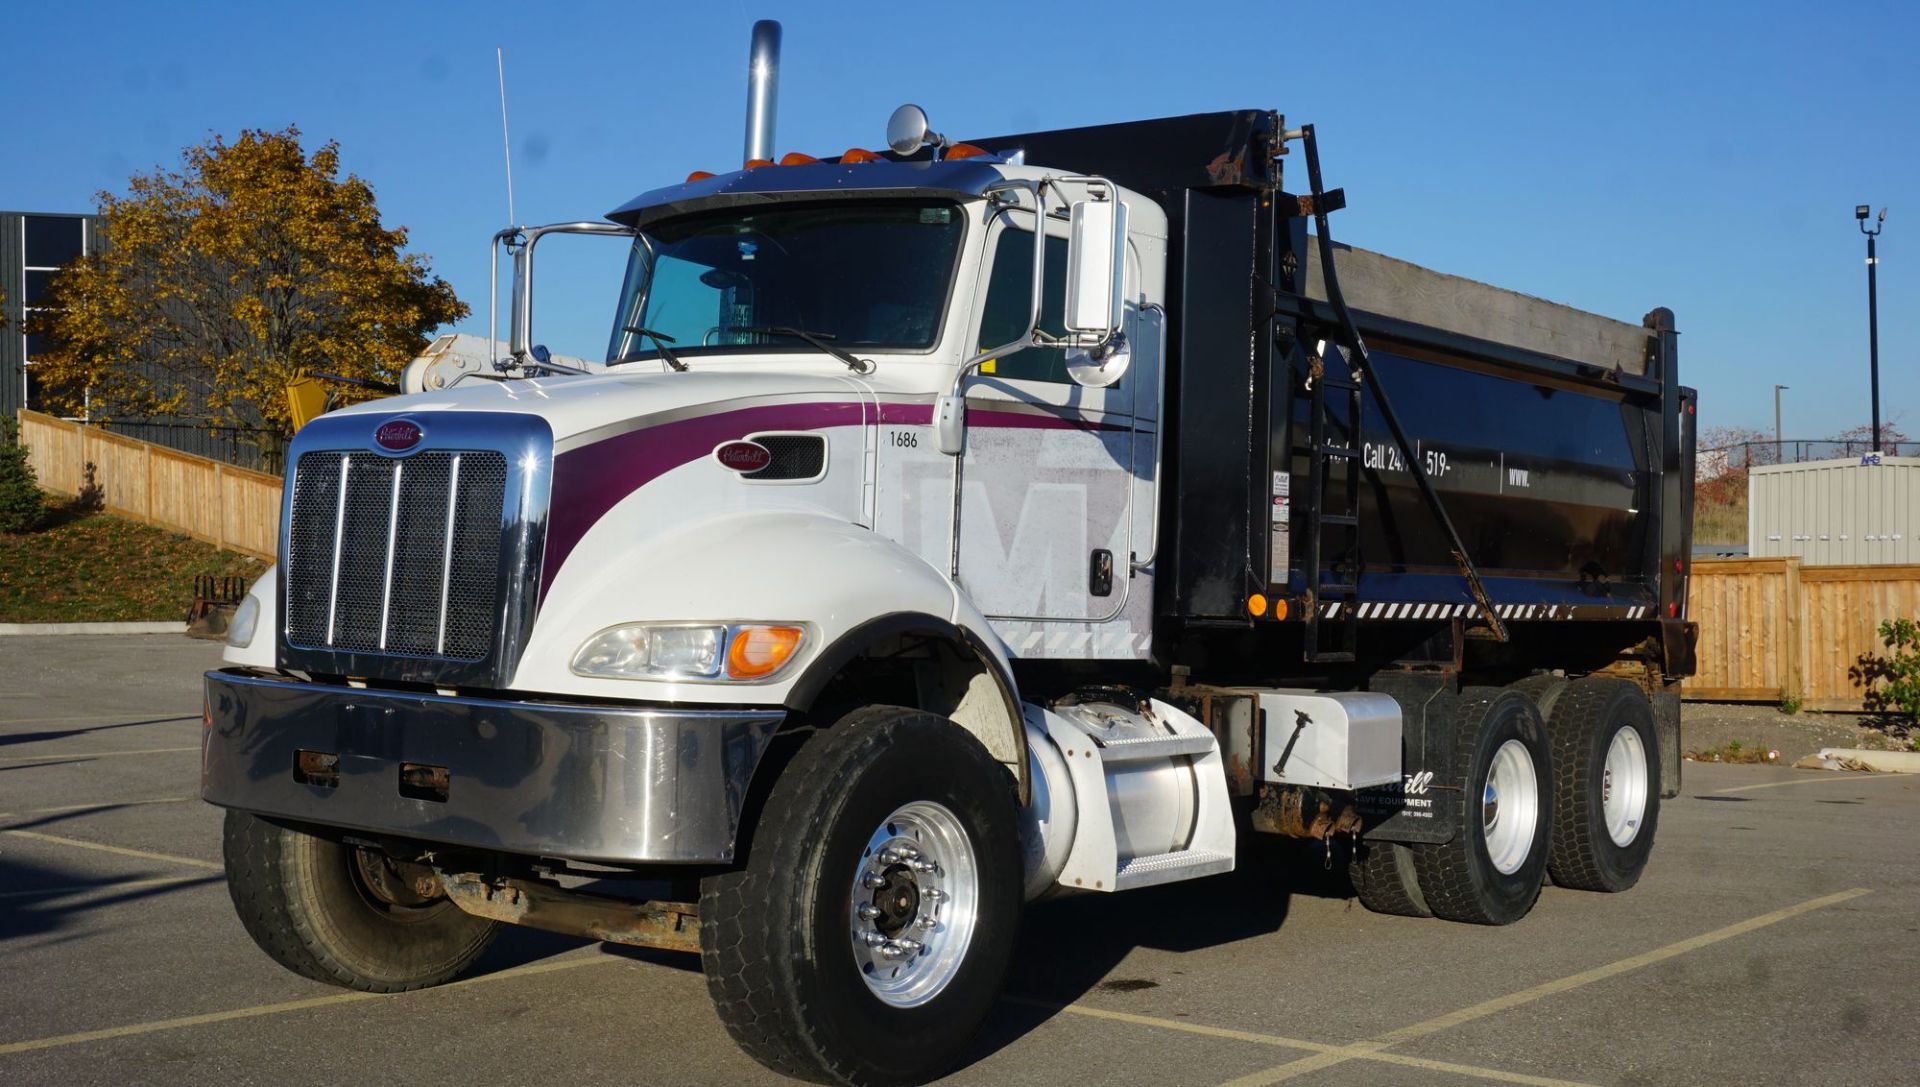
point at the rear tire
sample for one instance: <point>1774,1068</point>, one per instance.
<point>892,795</point>
<point>1384,879</point>
<point>1606,759</point>
<point>1490,873</point>
<point>1545,689</point>
<point>342,915</point>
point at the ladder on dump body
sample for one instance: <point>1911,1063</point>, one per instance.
<point>1333,573</point>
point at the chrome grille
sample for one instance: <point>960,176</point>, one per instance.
<point>396,556</point>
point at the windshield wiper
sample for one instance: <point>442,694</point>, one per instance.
<point>817,339</point>
<point>660,342</point>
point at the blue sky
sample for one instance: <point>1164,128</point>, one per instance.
<point>1705,157</point>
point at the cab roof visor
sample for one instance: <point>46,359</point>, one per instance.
<point>967,179</point>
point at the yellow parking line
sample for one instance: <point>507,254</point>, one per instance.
<point>103,804</point>
<point>1342,1052</point>
<point>1176,1024</point>
<point>89,888</point>
<point>94,754</point>
<point>259,1010</point>
<point>1371,1047</point>
<point>1828,777</point>
<point>123,851</point>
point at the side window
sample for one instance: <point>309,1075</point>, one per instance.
<point>1010,300</point>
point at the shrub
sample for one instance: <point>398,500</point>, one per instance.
<point>22,506</point>
<point>1899,669</point>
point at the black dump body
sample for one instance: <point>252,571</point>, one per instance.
<point>1567,471</point>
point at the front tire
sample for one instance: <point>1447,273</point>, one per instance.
<point>344,915</point>
<point>868,934</point>
<point>1606,757</point>
<point>1491,871</point>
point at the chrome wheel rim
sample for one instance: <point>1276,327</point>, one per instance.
<point>1510,807</point>
<point>1623,786</point>
<point>914,901</point>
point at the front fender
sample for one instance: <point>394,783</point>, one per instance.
<point>774,566</point>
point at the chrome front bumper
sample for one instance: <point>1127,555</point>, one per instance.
<point>614,784</point>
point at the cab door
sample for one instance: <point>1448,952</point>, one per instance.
<point>1052,479</point>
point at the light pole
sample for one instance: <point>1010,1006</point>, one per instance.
<point>1860,212</point>
<point>1776,422</point>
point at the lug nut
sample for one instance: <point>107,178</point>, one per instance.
<point>874,881</point>
<point>869,912</point>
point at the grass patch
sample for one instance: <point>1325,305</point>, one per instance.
<point>87,567</point>
<point>1734,751</point>
<point>1720,522</point>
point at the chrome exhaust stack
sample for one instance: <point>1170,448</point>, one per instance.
<point>763,88</point>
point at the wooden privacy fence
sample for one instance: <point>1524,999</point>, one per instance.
<point>1770,628</point>
<point>230,507</point>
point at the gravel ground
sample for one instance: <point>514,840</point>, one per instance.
<point>1711,726</point>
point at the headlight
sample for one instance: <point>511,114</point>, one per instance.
<point>246,618</point>
<point>690,651</point>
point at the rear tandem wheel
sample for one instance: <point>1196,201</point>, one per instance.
<point>1491,871</point>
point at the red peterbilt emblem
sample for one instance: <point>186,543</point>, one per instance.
<point>743,456</point>
<point>397,435</point>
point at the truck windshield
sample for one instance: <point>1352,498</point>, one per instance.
<point>871,276</point>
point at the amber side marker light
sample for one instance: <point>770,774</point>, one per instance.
<point>1256,605</point>
<point>758,652</point>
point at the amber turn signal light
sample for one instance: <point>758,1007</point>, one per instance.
<point>757,652</point>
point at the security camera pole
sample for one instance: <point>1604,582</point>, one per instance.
<point>1873,310</point>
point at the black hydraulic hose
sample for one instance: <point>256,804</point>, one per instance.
<point>1365,366</point>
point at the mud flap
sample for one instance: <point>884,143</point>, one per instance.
<point>1666,726</point>
<point>1418,807</point>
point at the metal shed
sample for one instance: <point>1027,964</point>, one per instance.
<point>1857,511</point>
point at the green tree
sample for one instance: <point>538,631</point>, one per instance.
<point>22,506</point>
<point>220,281</point>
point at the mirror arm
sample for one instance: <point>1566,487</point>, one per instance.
<point>950,410</point>
<point>520,241</point>
<point>1136,563</point>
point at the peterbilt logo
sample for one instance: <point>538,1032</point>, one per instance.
<point>397,435</point>
<point>743,456</point>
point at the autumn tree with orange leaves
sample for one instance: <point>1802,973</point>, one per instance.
<point>221,281</point>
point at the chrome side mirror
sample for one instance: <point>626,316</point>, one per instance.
<point>518,303</point>
<point>1096,267</point>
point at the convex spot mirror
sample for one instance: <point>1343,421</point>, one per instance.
<point>908,130</point>
<point>1099,370</point>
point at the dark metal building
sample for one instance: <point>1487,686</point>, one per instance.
<point>33,246</point>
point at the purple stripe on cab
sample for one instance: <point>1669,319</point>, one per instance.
<point>590,480</point>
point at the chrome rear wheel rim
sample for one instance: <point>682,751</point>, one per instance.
<point>1623,786</point>
<point>1510,807</point>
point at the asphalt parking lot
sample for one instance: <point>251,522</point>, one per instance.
<point>1775,939</point>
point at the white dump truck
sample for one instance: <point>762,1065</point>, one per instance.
<point>949,527</point>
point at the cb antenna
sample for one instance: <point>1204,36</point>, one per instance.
<point>506,145</point>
